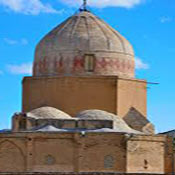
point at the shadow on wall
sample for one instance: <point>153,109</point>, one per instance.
<point>138,121</point>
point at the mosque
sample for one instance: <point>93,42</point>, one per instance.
<point>83,110</point>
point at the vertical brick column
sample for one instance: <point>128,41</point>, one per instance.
<point>30,154</point>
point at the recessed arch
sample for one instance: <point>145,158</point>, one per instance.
<point>11,157</point>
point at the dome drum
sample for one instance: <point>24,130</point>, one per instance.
<point>97,64</point>
<point>23,122</point>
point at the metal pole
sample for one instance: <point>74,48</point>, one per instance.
<point>85,5</point>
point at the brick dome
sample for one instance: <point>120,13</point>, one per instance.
<point>48,113</point>
<point>84,45</point>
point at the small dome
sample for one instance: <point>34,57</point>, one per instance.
<point>84,45</point>
<point>95,114</point>
<point>48,113</point>
<point>119,123</point>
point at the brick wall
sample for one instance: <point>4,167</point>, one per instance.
<point>74,94</point>
<point>76,152</point>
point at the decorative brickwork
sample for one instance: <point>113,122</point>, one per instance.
<point>63,50</point>
<point>75,66</point>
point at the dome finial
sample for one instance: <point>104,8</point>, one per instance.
<point>84,6</point>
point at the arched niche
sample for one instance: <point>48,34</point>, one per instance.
<point>11,157</point>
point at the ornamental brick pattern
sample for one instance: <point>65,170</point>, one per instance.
<point>75,66</point>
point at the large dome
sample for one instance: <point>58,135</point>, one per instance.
<point>84,45</point>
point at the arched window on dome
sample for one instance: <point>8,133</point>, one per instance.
<point>89,62</point>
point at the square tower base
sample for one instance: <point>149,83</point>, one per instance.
<point>74,94</point>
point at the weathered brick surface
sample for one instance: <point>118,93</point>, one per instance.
<point>74,94</point>
<point>63,51</point>
<point>81,173</point>
<point>92,152</point>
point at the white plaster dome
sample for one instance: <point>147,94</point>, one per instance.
<point>84,45</point>
<point>48,113</point>
<point>119,124</point>
<point>95,114</point>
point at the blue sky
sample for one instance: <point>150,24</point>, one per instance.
<point>148,24</point>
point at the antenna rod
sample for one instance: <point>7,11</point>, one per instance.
<point>85,5</point>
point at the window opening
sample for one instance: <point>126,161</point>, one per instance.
<point>89,62</point>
